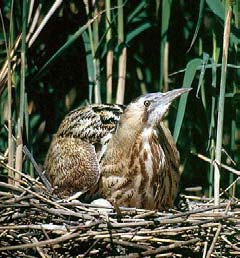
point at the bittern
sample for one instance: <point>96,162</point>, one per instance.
<point>129,154</point>
<point>73,160</point>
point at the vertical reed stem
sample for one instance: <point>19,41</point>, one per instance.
<point>165,68</point>
<point>9,85</point>
<point>96,61</point>
<point>166,11</point>
<point>109,60</point>
<point>93,44</point>
<point>221,105</point>
<point>140,77</point>
<point>212,143</point>
<point>23,63</point>
<point>10,138</point>
<point>19,158</point>
<point>18,164</point>
<point>46,18</point>
<point>122,62</point>
<point>8,46</point>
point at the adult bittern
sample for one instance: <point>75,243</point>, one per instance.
<point>141,165</point>
<point>131,150</point>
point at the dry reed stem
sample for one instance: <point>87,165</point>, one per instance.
<point>19,154</point>
<point>171,246</point>
<point>121,76</point>
<point>165,68</point>
<point>228,168</point>
<point>109,66</point>
<point>52,10</point>
<point>209,253</point>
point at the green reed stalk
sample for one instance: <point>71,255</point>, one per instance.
<point>234,125</point>
<point>19,153</point>
<point>93,36</point>
<point>166,11</point>
<point>212,143</point>
<point>9,85</point>
<point>232,190</point>
<point>8,45</point>
<point>221,103</point>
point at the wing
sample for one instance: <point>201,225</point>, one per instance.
<point>71,166</point>
<point>92,123</point>
<point>72,162</point>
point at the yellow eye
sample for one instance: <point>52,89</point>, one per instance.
<point>147,103</point>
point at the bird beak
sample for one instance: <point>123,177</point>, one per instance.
<point>162,104</point>
<point>170,96</point>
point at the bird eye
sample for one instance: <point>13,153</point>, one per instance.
<point>147,103</point>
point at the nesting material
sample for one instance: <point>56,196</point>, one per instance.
<point>35,224</point>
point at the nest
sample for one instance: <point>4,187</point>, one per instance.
<point>34,223</point>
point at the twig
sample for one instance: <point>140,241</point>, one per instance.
<point>217,233</point>
<point>11,187</point>
<point>127,244</point>
<point>39,250</point>
<point>183,214</point>
<point>31,179</point>
<point>90,248</point>
<point>54,7</point>
<point>234,171</point>
<point>214,241</point>
<point>205,250</point>
<point>48,238</point>
<point>38,169</point>
<point>49,227</point>
<point>231,244</point>
<point>56,240</point>
<point>169,247</point>
<point>145,215</point>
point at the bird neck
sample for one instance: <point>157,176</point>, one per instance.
<point>125,136</point>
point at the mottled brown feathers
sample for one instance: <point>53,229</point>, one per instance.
<point>150,172</point>
<point>72,161</point>
<point>129,154</point>
<point>71,165</point>
<point>91,123</point>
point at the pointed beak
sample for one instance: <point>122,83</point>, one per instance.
<point>162,103</point>
<point>170,96</point>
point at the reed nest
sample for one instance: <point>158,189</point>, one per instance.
<point>34,223</point>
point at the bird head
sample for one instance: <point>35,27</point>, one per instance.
<point>154,106</point>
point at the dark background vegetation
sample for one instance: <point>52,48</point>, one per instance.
<point>64,85</point>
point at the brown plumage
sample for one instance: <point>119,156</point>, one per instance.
<point>72,161</point>
<point>141,164</point>
<point>135,156</point>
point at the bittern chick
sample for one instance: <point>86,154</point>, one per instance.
<point>141,165</point>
